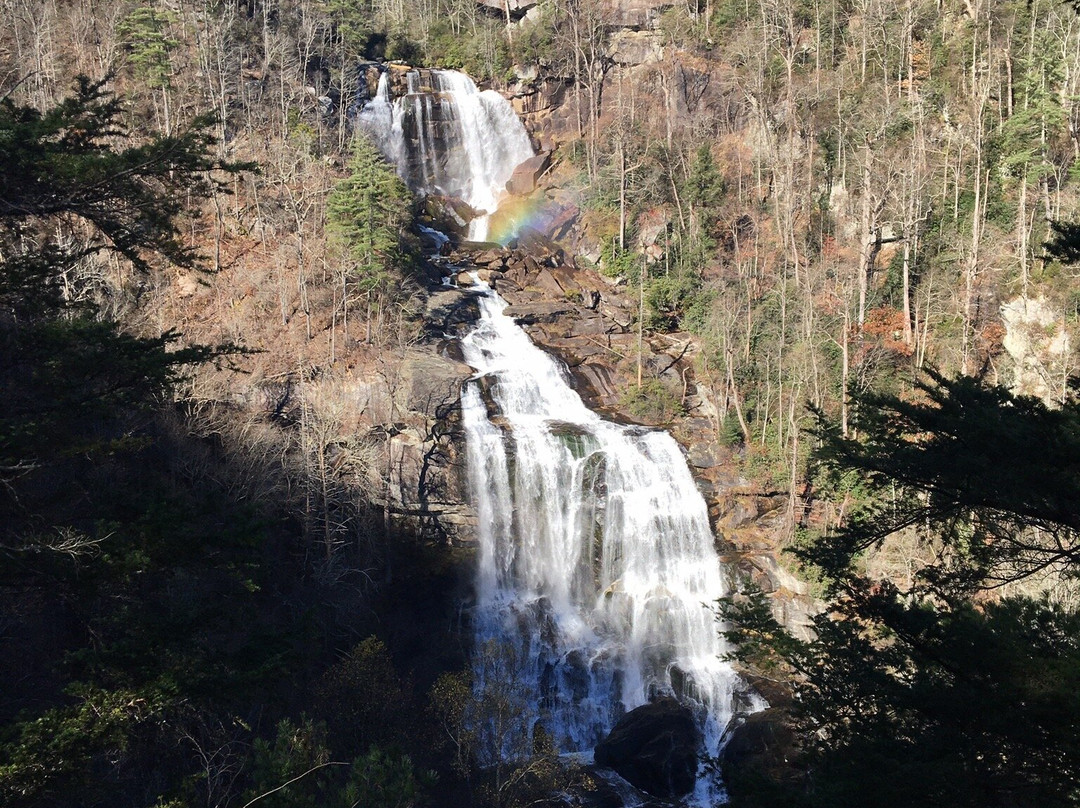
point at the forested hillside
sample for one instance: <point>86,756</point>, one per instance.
<point>233,548</point>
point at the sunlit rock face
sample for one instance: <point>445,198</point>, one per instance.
<point>1037,342</point>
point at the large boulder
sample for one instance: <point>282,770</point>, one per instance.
<point>539,312</point>
<point>654,748</point>
<point>764,747</point>
<point>528,172</point>
<point>450,214</point>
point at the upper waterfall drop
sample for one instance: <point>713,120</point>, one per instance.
<point>447,137</point>
<point>597,564</point>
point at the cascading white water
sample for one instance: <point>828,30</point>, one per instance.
<point>597,563</point>
<point>377,118</point>
<point>449,138</point>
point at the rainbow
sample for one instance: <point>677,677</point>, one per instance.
<point>516,213</point>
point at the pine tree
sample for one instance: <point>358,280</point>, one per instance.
<point>145,32</point>
<point>367,212</point>
<point>61,170</point>
<point>68,192</point>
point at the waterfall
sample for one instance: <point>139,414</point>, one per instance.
<point>446,137</point>
<point>596,558</point>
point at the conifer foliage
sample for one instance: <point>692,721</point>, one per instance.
<point>960,688</point>
<point>62,172</point>
<point>367,212</point>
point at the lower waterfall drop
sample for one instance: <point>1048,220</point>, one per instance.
<point>596,562</point>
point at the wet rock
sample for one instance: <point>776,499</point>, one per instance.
<point>599,387</point>
<point>740,511</point>
<point>397,75</point>
<point>433,241</point>
<point>703,456</point>
<point>484,275</point>
<point>654,748</point>
<point>450,308</point>
<point>542,312</point>
<point>450,214</point>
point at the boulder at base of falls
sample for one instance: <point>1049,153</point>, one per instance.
<point>764,747</point>
<point>654,747</point>
<point>449,214</point>
<point>523,181</point>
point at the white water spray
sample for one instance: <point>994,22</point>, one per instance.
<point>597,564</point>
<point>449,138</point>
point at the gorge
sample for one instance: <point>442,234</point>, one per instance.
<point>403,470</point>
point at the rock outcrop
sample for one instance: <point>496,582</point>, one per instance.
<point>763,745</point>
<point>1038,343</point>
<point>515,9</point>
<point>654,747</point>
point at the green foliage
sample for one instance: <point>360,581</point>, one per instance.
<point>992,474</point>
<point>298,756</point>
<point>670,298</point>
<point>938,694</point>
<point>68,382</point>
<point>731,13</point>
<point>482,50</point>
<point>910,704</point>
<point>145,32</point>
<point>354,26</point>
<point>381,780</point>
<point>57,750</point>
<point>616,263</point>
<point>450,699</point>
<point>653,402</point>
<point>1024,135</point>
<point>705,186</point>
<point>85,536</point>
<point>364,698</point>
<point>533,43</point>
<point>62,167</point>
<point>1064,244</point>
<point>367,213</point>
